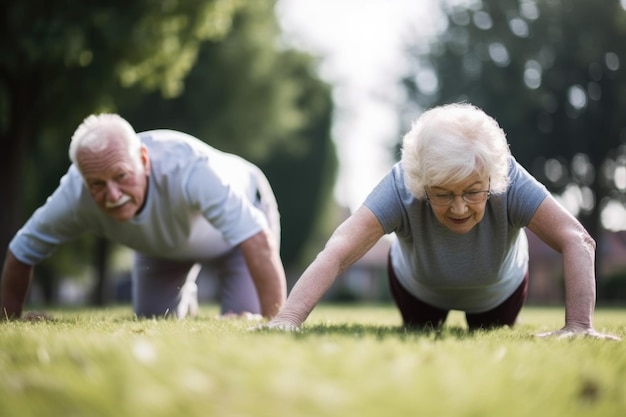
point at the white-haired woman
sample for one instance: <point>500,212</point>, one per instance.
<point>458,203</point>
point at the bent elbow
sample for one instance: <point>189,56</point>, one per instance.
<point>588,242</point>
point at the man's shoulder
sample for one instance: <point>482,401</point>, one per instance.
<point>173,143</point>
<point>72,180</point>
<point>169,137</point>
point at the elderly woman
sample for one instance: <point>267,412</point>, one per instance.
<point>458,203</point>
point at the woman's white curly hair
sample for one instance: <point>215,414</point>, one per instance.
<point>448,144</point>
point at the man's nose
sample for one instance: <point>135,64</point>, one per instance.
<point>113,191</point>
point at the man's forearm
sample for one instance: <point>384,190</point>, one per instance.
<point>269,279</point>
<point>267,272</point>
<point>16,278</point>
<point>272,296</point>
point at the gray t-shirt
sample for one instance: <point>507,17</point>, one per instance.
<point>201,203</point>
<point>472,272</point>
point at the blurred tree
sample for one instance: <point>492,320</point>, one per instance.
<point>60,60</point>
<point>549,72</point>
<point>248,96</point>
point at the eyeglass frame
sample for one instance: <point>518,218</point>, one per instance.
<point>452,196</point>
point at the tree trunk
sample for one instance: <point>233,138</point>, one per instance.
<point>101,294</point>
<point>11,210</point>
<point>12,161</point>
<point>21,120</point>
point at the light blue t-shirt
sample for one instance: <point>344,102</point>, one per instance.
<point>201,203</point>
<point>472,272</point>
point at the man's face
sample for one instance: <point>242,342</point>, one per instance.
<point>116,181</point>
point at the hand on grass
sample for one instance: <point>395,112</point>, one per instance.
<point>244,316</point>
<point>570,333</point>
<point>37,316</point>
<point>282,326</point>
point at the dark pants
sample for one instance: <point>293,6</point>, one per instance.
<point>418,314</point>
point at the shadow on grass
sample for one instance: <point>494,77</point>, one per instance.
<point>383,332</point>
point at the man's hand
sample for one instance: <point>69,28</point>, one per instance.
<point>241,316</point>
<point>37,316</point>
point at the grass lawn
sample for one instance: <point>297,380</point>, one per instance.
<point>347,361</point>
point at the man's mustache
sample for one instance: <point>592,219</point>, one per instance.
<point>125,198</point>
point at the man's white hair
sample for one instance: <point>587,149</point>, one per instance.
<point>96,132</point>
<point>448,144</point>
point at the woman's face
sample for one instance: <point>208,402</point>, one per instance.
<point>460,206</point>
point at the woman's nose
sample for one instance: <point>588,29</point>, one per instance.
<point>458,204</point>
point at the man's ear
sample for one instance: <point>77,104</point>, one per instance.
<point>145,159</point>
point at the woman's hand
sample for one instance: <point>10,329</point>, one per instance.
<point>570,333</point>
<point>283,326</point>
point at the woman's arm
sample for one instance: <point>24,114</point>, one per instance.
<point>350,241</point>
<point>564,233</point>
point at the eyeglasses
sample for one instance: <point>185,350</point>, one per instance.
<point>470,197</point>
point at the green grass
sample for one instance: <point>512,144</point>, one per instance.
<point>347,361</point>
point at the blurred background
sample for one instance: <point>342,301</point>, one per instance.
<point>318,93</point>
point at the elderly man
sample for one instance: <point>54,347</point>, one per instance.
<point>177,202</point>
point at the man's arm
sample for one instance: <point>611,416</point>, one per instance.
<point>264,263</point>
<point>15,281</point>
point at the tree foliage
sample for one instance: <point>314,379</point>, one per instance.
<point>248,96</point>
<point>212,68</point>
<point>550,72</point>
<point>60,59</point>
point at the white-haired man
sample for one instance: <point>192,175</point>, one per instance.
<point>177,202</point>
